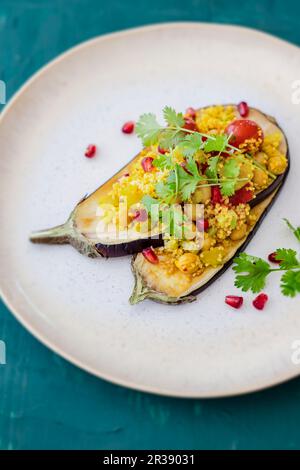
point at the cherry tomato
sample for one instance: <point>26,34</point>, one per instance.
<point>243,129</point>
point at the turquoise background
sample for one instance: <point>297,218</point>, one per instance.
<point>46,402</point>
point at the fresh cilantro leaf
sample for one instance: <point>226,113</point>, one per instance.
<point>228,188</point>
<point>287,257</point>
<point>148,202</point>
<point>188,182</point>
<point>211,171</point>
<point>290,283</point>
<point>256,270</point>
<point>163,161</point>
<point>296,231</point>
<point>188,189</point>
<point>148,129</point>
<point>191,144</point>
<point>217,143</point>
<point>175,221</point>
<point>172,118</point>
<point>192,167</point>
<point>170,138</point>
<point>166,191</point>
<point>173,179</point>
<point>231,171</point>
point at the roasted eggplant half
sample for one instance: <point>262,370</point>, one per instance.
<point>220,157</point>
<point>170,282</point>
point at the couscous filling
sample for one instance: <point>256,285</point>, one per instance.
<point>224,181</point>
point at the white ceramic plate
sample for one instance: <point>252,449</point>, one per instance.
<point>78,306</point>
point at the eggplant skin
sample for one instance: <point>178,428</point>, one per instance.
<point>128,248</point>
<point>280,178</point>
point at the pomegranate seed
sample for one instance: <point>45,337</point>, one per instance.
<point>191,112</point>
<point>272,258</point>
<point>223,154</point>
<point>241,196</point>
<point>123,176</point>
<point>128,127</point>
<point>147,164</point>
<point>216,196</point>
<point>203,138</point>
<point>161,150</point>
<point>141,215</point>
<point>90,151</point>
<point>204,167</point>
<point>190,124</point>
<point>202,225</point>
<point>234,301</point>
<point>150,255</point>
<point>260,301</point>
<point>243,109</point>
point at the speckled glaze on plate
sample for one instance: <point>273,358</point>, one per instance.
<point>78,306</point>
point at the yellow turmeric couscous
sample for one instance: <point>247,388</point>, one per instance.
<point>250,161</point>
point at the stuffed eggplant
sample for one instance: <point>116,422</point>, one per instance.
<point>180,269</point>
<point>211,156</point>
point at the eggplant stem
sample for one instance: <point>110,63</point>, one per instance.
<point>141,292</point>
<point>54,236</point>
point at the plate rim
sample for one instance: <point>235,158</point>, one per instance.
<point>42,337</point>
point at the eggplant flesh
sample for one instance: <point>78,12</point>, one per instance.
<point>154,283</point>
<point>80,230</point>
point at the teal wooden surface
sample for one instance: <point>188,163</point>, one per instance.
<point>46,402</point>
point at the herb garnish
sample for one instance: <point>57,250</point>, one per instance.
<point>256,270</point>
<point>183,182</point>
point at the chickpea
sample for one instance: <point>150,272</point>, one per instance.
<point>188,263</point>
<point>189,230</point>
<point>261,157</point>
<point>277,164</point>
<point>246,171</point>
<point>260,178</point>
<point>239,232</point>
<point>193,211</point>
<point>207,242</point>
<point>202,194</point>
<point>251,219</point>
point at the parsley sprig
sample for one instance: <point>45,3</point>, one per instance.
<point>252,272</point>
